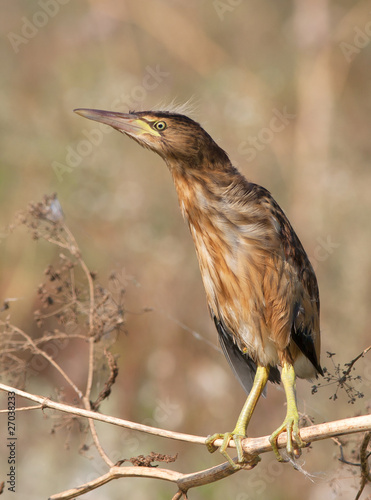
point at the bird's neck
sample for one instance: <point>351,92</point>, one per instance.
<point>198,192</point>
<point>204,192</point>
<point>207,203</point>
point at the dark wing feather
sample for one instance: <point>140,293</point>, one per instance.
<point>303,339</point>
<point>244,368</point>
<point>301,331</point>
<point>301,334</point>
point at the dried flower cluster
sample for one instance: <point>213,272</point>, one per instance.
<point>342,377</point>
<point>71,303</point>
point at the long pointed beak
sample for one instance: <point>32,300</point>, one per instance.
<point>129,123</point>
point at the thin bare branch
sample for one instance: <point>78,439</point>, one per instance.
<point>80,412</point>
<point>251,446</point>
<point>24,408</point>
<point>115,473</point>
<point>74,249</point>
<point>94,434</point>
<point>42,353</point>
<point>365,472</point>
<point>90,369</point>
<point>352,363</point>
<point>57,311</point>
<point>87,405</point>
<point>183,481</point>
<point>58,336</point>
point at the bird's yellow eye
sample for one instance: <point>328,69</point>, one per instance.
<point>160,125</point>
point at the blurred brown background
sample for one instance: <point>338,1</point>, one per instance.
<point>284,87</point>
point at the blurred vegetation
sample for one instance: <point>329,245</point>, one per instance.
<point>241,64</point>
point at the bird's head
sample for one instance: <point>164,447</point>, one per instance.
<point>176,138</point>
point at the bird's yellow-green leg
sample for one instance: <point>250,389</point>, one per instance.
<point>239,431</point>
<point>291,422</point>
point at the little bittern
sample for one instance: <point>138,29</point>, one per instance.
<point>260,286</point>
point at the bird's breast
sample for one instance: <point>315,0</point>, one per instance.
<point>233,273</point>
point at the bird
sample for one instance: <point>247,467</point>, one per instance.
<point>260,286</point>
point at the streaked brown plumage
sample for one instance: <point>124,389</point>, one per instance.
<point>260,286</point>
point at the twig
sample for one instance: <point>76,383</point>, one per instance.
<point>57,311</point>
<point>352,363</point>
<point>184,481</point>
<point>90,369</point>
<point>364,456</point>
<point>48,358</point>
<point>74,249</point>
<point>65,246</point>
<point>80,412</point>
<point>25,408</point>
<point>87,405</point>
<point>115,473</point>
<point>252,446</point>
<point>58,336</point>
<point>365,473</point>
<point>99,447</point>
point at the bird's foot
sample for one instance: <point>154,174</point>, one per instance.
<point>294,441</point>
<point>243,461</point>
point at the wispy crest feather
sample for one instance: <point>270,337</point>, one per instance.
<point>189,107</point>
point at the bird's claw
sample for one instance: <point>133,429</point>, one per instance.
<point>211,448</point>
<point>294,441</point>
<point>243,462</point>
